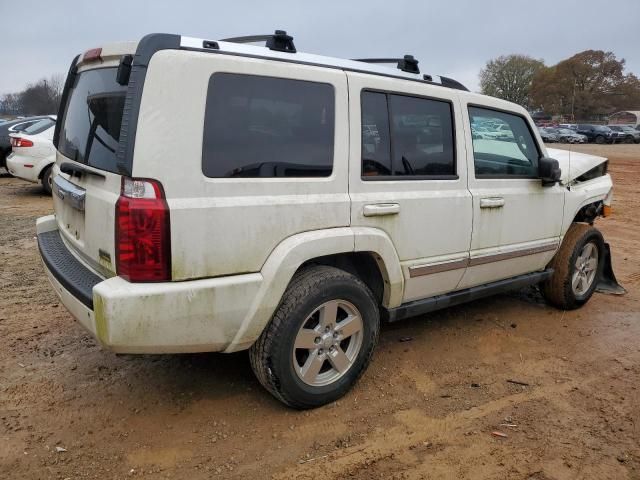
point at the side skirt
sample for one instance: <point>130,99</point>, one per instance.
<point>419,307</point>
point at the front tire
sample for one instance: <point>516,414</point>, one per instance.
<point>577,268</point>
<point>320,339</point>
<point>600,140</point>
<point>47,180</point>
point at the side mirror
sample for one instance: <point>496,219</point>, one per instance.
<point>549,171</point>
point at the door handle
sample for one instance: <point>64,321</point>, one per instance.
<point>492,202</point>
<point>380,209</point>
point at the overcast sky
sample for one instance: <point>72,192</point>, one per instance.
<point>453,38</point>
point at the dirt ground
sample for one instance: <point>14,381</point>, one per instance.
<point>426,408</point>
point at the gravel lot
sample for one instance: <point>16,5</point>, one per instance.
<point>426,408</point>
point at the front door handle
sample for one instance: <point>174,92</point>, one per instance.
<point>379,209</point>
<point>492,202</point>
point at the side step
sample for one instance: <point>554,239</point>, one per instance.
<point>431,304</point>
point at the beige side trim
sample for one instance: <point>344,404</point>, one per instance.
<point>430,269</point>
<point>498,257</point>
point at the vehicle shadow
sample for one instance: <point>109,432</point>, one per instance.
<point>226,378</point>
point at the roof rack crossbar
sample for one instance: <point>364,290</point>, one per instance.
<point>406,64</point>
<point>278,41</point>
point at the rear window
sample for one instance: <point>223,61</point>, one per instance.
<point>406,137</point>
<point>90,129</point>
<point>267,127</point>
<point>39,127</point>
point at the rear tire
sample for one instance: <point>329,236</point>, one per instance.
<point>47,180</point>
<point>577,268</point>
<point>305,356</point>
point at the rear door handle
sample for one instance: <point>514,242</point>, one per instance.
<point>492,202</point>
<point>380,209</point>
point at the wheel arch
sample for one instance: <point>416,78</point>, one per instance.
<point>366,252</point>
<point>44,169</point>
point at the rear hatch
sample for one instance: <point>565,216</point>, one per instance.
<point>87,179</point>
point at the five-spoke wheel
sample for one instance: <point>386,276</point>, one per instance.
<point>320,339</point>
<point>328,343</point>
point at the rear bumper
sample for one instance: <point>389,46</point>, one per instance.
<point>16,166</point>
<point>172,317</point>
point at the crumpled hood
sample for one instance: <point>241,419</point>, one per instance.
<point>574,164</point>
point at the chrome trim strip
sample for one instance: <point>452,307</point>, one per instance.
<point>431,268</point>
<point>498,257</point>
<point>69,192</point>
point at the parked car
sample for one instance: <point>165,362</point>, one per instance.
<point>33,153</point>
<point>243,201</point>
<point>14,126</point>
<point>548,135</point>
<point>597,133</point>
<point>567,135</point>
<point>628,133</point>
<point>570,126</point>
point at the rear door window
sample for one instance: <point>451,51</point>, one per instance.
<point>265,127</point>
<point>376,145</point>
<point>406,137</point>
<point>422,134</point>
<point>90,130</point>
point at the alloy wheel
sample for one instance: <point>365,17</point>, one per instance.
<point>585,269</point>
<point>328,343</point>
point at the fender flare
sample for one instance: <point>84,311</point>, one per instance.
<point>291,253</point>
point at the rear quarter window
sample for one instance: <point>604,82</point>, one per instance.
<point>267,127</point>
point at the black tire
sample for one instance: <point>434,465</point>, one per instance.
<point>600,139</point>
<point>272,356</point>
<point>558,289</point>
<point>628,139</point>
<point>46,180</point>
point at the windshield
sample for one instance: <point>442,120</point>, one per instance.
<point>39,127</point>
<point>91,123</point>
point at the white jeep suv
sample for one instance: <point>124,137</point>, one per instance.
<point>220,196</point>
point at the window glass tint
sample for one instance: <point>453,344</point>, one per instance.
<point>502,144</point>
<point>422,136</point>
<point>39,126</point>
<point>91,124</point>
<point>267,127</point>
<point>376,151</point>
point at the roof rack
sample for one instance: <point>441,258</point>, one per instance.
<point>278,41</point>
<point>407,64</point>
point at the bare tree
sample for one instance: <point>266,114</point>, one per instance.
<point>40,98</point>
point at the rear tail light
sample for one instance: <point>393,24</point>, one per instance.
<point>20,142</point>
<point>143,232</point>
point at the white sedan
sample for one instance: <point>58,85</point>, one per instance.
<point>33,153</point>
